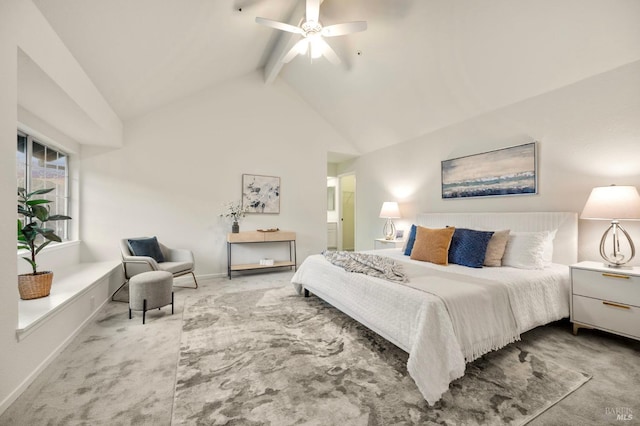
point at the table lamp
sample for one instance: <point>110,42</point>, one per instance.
<point>613,203</point>
<point>389,211</point>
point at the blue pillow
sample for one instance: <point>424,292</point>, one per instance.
<point>469,247</point>
<point>410,241</point>
<point>146,247</point>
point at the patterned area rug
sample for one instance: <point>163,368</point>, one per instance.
<point>273,357</point>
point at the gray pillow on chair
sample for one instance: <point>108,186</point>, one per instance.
<point>146,247</point>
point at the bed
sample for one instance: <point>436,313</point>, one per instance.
<point>420,322</point>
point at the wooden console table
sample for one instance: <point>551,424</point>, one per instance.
<point>256,237</point>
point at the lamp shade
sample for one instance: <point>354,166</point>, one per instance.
<point>612,202</point>
<point>390,210</point>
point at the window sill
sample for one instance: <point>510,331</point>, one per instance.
<point>54,247</point>
<point>69,283</point>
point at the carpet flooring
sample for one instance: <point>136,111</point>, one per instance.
<point>273,357</point>
<point>120,372</point>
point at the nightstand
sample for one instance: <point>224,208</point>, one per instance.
<point>381,243</point>
<point>605,298</point>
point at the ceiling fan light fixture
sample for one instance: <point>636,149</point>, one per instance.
<point>316,45</point>
<point>302,48</point>
<point>316,50</point>
<point>313,34</point>
<point>310,27</point>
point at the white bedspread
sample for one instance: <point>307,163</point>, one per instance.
<point>418,322</point>
<point>479,309</point>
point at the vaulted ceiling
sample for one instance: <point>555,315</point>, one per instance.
<point>421,65</point>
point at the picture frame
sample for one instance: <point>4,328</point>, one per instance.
<point>399,234</point>
<point>506,171</point>
<point>261,194</point>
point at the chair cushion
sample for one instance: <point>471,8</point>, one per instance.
<point>176,267</point>
<point>146,247</point>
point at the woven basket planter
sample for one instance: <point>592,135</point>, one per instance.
<point>35,286</point>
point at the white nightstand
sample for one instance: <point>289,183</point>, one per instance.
<point>605,298</point>
<point>381,243</point>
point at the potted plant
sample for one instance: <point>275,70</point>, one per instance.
<point>235,211</point>
<point>33,235</point>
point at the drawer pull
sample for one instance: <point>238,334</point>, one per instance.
<point>616,305</point>
<point>604,274</point>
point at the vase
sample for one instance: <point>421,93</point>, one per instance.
<point>34,286</point>
<point>235,228</point>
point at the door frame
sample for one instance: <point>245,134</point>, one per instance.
<point>355,207</point>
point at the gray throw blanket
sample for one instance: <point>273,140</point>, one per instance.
<point>368,264</point>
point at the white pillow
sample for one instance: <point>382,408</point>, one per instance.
<point>525,250</point>
<point>547,255</point>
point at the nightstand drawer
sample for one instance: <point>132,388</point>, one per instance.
<point>613,286</point>
<point>610,316</point>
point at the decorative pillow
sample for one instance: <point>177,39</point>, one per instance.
<point>146,247</point>
<point>547,255</point>
<point>432,245</point>
<point>468,247</point>
<point>495,248</point>
<point>525,250</point>
<point>411,239</point>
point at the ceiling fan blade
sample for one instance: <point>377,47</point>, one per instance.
<point>298,48</point>
<point>313,10</point>
<point>329,52</point>
<point>279,25</point>
<point>342,29</point>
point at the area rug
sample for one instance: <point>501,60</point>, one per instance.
<point>273,357</point>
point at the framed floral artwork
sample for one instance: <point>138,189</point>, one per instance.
<point>261,194</point>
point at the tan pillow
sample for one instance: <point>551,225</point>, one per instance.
<point>495,248</point>
<point>432,245</point>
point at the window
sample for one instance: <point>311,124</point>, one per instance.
<point>40,167</point>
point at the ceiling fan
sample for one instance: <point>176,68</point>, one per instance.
<point>313,33</point>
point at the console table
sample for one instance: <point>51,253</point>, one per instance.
<point>257,237</point>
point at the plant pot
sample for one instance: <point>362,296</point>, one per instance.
<point>34,286</point>
<point>235,228</point>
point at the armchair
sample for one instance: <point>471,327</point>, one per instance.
<point>177,261</point>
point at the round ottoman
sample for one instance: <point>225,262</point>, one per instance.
<point>150,290</point>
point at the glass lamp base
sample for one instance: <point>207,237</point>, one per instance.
<point>616,259</point>
<point>389,230</point>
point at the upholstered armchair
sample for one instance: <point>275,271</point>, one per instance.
<point>177,261</point>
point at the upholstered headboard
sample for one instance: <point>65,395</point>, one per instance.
<point>565,245</point>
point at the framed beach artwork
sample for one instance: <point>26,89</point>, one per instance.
<point>507,171</point>
<point>260,194</point>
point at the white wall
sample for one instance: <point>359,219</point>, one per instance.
<point>588,134</point>
<point>9,364</point>
<point>179,165</point>
<point>24,29</point>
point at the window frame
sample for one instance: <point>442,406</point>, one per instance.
<point>64,230</point>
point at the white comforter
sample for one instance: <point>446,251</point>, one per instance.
<point>419,323</point>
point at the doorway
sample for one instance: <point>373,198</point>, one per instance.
<point>347,212</point>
